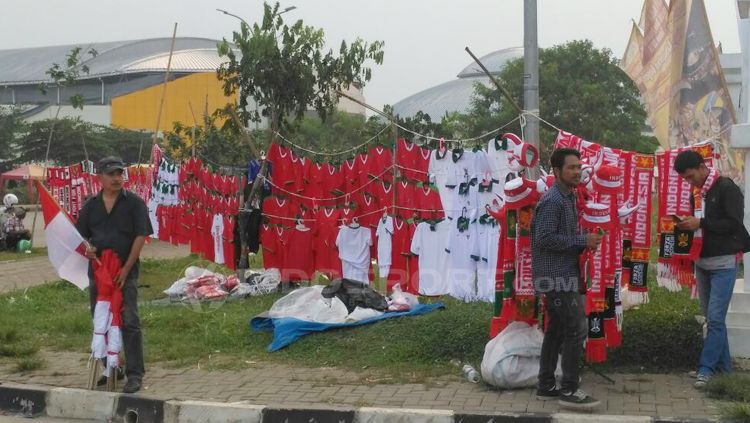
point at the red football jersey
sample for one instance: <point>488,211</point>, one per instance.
<point>282,173</point>
<point>272,244</point>
<point>429,199</point>
<point>334,180</point>
<point>422,165</point>
<point>279,211</point>
<point>350,169</point>
<point>406,199</point>
<point>400,246</point>
<point>383,193</point>
<point>368,211</point>
<point>326,254</point>
<point>298,262</point>
<point>381,163</point>
<point>406,157</point>
<point>364,165</point>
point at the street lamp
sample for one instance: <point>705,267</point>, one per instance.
<point>233,15</point>
<point>288,9</point>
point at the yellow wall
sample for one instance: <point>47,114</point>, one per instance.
<point>138,110</point>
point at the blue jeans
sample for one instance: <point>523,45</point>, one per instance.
<point>715,289</point>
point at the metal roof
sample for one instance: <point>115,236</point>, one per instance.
<point>455,95</point>
<point>29,65</point>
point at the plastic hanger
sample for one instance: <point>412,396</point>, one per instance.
<point>301,226</point>
<point>354,223</point>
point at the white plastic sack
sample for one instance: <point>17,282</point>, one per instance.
<point>511,359</point>
<point>308,304</point>
<point>361,313</point>
<point>178,288</point>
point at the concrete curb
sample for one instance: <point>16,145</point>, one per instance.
<point>71,403</point>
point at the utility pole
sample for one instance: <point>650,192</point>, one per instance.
<point>531,78</point>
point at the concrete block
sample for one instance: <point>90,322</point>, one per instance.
<point>598,418</point>
<point>311,414</point>
<point>739,319</point>
<point>217,412</point>
<point>135,408</point>
<point>740,302</point>
<point>402,415</point>
<point>81,404</point>
<point>739,341</point>
<point>505,417</point>
<point>24,400</point>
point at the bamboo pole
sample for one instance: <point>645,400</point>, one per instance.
<point>163,95</point>
<point>496,82</point>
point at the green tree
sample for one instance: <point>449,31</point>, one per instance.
<point>581,90</point>
<point>10,125</point>
<point>72,140</point>
<point>286,71</point>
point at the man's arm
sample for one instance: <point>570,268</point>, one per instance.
<point>734,205</point>
<point>545,231</point>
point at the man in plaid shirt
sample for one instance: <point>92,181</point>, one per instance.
<point>556,243</point>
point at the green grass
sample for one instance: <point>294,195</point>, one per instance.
<point>217,335</point>
<point>731,387</point>
<point>738,412</point>
<point>29,364</point>
<point>14,255</point>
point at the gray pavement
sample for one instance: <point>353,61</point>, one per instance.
<point>282,385</point>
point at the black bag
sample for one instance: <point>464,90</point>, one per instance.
<point>355,294</point>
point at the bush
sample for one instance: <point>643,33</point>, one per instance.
<point>660,336</point>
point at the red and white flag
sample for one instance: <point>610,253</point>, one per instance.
<point>65,246</point>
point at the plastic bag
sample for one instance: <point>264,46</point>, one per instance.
<point>177,289</point>
<point>308,304</point>
<point>398,301</point>
<point>511,359</point>
<point>361,313</point>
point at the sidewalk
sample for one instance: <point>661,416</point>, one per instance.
<point>278,385</point>
<point>27,272</point>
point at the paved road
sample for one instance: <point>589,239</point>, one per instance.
<point>276,384</point>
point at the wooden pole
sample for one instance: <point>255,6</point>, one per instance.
<point>192,131</point>
<point>163,94</point>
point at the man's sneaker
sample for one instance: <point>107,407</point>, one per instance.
<point>701,380</point>
<point>578,400</point>
<point>693,374</point>
<point>547,394</point>
<point>103,380</point>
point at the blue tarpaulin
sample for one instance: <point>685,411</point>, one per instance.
<point>286,330</point>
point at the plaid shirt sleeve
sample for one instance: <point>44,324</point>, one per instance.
<point>13,224</point>
<point>547,232</point>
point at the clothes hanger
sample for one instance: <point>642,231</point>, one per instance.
<point>301,226</point>
<point>354,223</point>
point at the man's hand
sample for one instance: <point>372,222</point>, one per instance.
<point>593,240</point>
<point>689,223</point>
<point>91,252</point>
<point>121,276</point>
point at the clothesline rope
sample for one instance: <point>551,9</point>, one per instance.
<point>428,137</point>
<point>320,153</point>
<point>361,187</point>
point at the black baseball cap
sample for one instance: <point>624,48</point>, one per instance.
<point>109,164</point>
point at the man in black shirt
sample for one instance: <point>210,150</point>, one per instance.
<point>117,219</point>
<point>718,212</point>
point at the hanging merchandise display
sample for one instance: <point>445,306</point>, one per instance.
<point>678,249</point>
